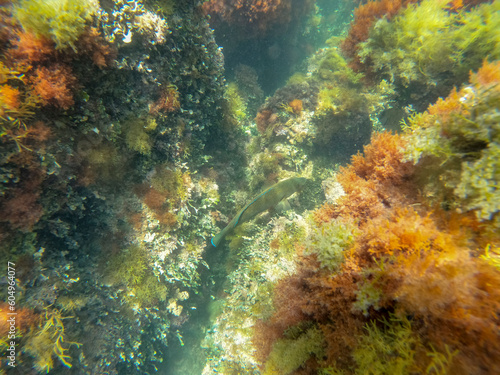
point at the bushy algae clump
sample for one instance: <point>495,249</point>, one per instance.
<point>63,21</point>
<point>291,352</point>
<point>462,132</point>
<point>426,42</point>
<point>329,241</point>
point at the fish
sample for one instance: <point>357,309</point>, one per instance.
<point>265,200</point>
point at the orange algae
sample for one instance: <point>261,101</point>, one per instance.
<point>54,85</point>
<point>296,106</point>
<point>488,75</point>
<point>364,17</point>
<point>9,98</point>
<point>29,48</point>
<point>92,44</point>
<point>382,160</point>
<point>409,258</point>
<point>378,180</point>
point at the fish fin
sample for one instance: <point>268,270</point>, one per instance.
<point>282,206</point>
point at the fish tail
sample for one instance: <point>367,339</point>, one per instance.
<point>216,240</point>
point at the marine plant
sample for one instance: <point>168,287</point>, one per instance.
<point>460,132</point>
<point>492,256</point>
<point>48,340</point>
<point>31,48</point>
<point>329,241</point>
<point>237,107</point>
<point>437,263</point>
<point>364,17</point>
<point>346,109</point>
<point>92,44</point>
<point>61,164</point>
<point>377,179</point>
<point>131,269</point>
<point>368,296</point>
<point>21,205</point>
<point>295,106</point>
<point>167,102</point>
<point>54,86</point>
<point>172,181</point>
<point>389,349</point>
<point>62,21</point>
<point>137,136</point>
<point>290,353</point>
<point>17,105</point>
<point>426,41</point>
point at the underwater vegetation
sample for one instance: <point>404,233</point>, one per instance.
<point>365,16</point>
<point>398,268</point>
<point>49,341</point>
<point>124,150</point>
<point>106,109</point>
<point>460,130</point>
<point>402,43</point>
<point>257,17</point>
<point>448,44</point>
<point>61,21</point>
<point>416,289</point>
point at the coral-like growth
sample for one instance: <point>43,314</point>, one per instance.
<point>296,106</point>
<point>377,180</point>
<point>382,160</point>
<point>405,232</point>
